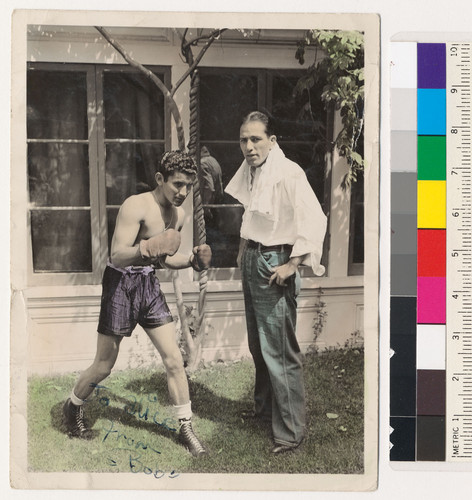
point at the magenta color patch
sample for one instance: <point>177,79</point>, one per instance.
<point>431,300</point>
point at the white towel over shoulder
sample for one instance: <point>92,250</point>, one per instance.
<point>281,208</point>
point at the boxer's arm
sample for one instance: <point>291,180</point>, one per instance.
<point>180,260</point>
<point>177,261</point>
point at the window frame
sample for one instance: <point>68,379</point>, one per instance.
<point>355,268</point>
<point>100,70</point>
<point>264,98</point>
<point>96,156</point>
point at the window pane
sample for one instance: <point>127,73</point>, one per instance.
<point>229,157</point>
<point>58,174</point>
<point>303,155</point>
<point>57,105</point>
<point>357,223</point>
<point>358,244</point>
<point>130,169</point>
<point>289,120</point>
<point>224,100</point>
<point>293,122</point>
<point>222,229</point>
<point>134,106</point>
<point>61,241</point>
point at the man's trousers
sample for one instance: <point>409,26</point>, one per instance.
<point>271,316</point>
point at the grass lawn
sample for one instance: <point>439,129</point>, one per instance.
<point>131,419</point>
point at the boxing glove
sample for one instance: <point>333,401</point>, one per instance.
<point>201,257</point>
<point>166,243</point>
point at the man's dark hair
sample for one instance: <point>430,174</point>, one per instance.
<point>176,161</point>
<point>258,116</point>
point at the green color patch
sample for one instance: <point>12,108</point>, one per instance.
<point>432,158</point>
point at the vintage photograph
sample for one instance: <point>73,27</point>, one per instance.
<point>194,251</point>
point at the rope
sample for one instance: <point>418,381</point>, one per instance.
<point>199,218</point>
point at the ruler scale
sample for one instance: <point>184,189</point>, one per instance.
<point>459,253</point>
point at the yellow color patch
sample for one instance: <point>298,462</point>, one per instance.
<point>432,204</point>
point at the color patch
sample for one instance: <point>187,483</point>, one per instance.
<point>432,204</point>
<point>431,111</point>
<point>403,188</point>
<point>431,252</point>
<point>403,272</point>
<point>431,156</point>
<point>431,347</point>
<point>430,438</point>
<point>431,69</point>
<point>402,439</point>
<point>431,300</point>
<point>404,234</point>
<point>403,151</point>
<point>403,357</point>
<point>403,71</point>
<point>431,390</point>
<point>403,109</point>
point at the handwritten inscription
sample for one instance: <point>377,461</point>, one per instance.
<point>137,408</point>
<point>133,462</point>
<point>121,437</point>
<point>129,453</point>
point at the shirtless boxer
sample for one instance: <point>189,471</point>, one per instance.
<point>146,236</point>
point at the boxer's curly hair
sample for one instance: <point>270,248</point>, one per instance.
<point>176,161</point>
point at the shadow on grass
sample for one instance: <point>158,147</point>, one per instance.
<point>134,412</point>
<point>130,413</point>
<point>205,402</point>
<point>219,394</point>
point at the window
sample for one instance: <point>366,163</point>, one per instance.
<point>226,96</point>
<point>356,239</point>
<point>94,134</point>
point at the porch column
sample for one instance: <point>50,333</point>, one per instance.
<point>340,213</point>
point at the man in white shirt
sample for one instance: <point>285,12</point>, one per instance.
<point>283,226</point>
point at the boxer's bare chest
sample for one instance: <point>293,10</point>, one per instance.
<point>156,218</point>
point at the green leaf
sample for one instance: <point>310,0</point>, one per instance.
<point>332,415</point>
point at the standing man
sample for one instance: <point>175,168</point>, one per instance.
<point>147,235</point>
<point>283,226</point>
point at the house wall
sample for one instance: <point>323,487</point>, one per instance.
<point>61,320</point>
<point>62,323</point>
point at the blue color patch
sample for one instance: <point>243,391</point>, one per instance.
<point>431,111</point>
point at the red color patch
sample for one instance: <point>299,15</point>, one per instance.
<point>432,252</point>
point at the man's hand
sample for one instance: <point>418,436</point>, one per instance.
<point>281,273</point>
<point>201,257</point>
<point>166,243</point>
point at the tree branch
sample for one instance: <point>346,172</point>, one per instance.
<point>157,81</point>
<point>215,34</point>
<point>211,38</point>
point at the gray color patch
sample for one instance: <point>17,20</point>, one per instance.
<point>403,275</point>
<point>403,109</point>
<point>404,234</point>
<point>403,193</point>
<point>404,151</point>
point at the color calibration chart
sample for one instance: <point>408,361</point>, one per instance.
<point>431,253</point>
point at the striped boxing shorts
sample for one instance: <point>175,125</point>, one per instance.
<point>131,296</point>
